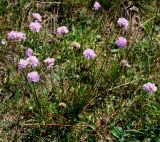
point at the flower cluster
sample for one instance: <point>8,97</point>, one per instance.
<point>62,30</point>
<point>122,22</point>
<point>33,76</point>
<point>16,36</point>
<point>121,42</point>
<point>49,62</point>
<point>89,53</point>
<point>32,61</point>
<point>150,87</point>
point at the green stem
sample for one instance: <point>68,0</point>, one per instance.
<point>36,98</point>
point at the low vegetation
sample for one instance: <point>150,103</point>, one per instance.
<point>81,71</point>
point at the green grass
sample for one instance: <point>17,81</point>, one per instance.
<point>104,102</point>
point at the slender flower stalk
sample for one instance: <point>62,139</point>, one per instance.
<point>33,78</point>
<point>35,97</point>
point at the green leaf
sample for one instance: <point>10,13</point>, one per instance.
<point>114,50</point>
<point>116,132</point>
<point>92,126</point>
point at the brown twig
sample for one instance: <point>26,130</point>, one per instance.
<point>117,111</point>
<point>39,124</point>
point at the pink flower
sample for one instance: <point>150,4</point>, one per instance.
<point>33,76</point>
<point>62,30</point>
<point>89,53</point>
<point>150,87</point>
<point>28,52</point>
<point>96,6</point>
<point>122,22</point>
<point>35,26</point>
<point>33,61</point>
<point>22,64</point>
<point>121,42</point>
<point>17,36</point>
<point>49,62</point>
<point>37,17</point>
<point>12,35</point>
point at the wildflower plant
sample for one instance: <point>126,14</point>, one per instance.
<point>71,83</point>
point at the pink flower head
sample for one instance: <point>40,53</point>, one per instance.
<point>150,87</point>
<point>122,22</point>
<point>121,42</point>
<point>28,52</point>
<point>62,30</point>
<point>89,53</point>
<point>33,76</point>
<point>37,17</point>
<point>11,35</point>
<point>21,36</point>
<point>96,6</point>
<point>22,64</point>
<point>33,61</point>
<point>49,62</point>
<point>35,26</point>
<point>17,36</point>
